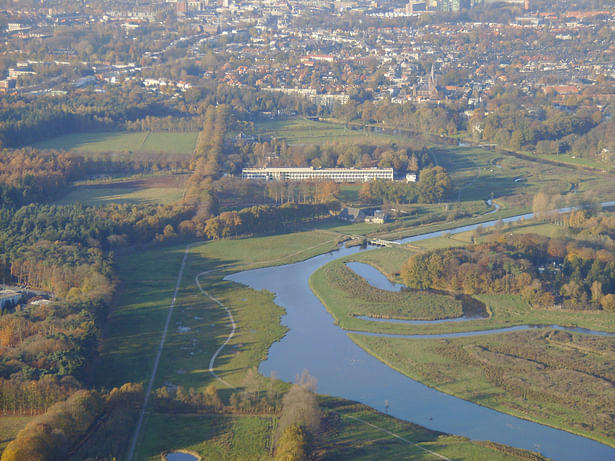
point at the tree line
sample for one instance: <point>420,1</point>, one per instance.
<point>88,425</point>
<point>434,185</point>
<point>545,271</point>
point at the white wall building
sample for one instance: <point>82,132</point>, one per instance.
<point>318,174</point>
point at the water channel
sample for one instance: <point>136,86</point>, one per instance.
<point>343,369</point>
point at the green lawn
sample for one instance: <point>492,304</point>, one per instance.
<point>303,131</point>
<point>135,190</point>
<point>121,141</point>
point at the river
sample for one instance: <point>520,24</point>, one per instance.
<point>343,369</point>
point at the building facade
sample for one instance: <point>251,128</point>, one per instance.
<point>318,174</point>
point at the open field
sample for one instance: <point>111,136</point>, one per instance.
<point>480,174</point>
<point>577,161</point>
<point>214,437</point>
<point>345,436</point>
<point>9,427</point>
<point>122,141</point>
<point>556,378</point>
<point>303,131</point>
<point>155,189</point>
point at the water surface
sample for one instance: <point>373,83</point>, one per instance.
<point>345,370</point>
<point>176,456</point>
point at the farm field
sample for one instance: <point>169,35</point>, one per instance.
<point>156,189</point>
<point>122,141</point>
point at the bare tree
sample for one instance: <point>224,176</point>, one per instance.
<point>300,406</point>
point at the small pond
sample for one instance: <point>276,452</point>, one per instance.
<point>179,456</point>
<point>373,276</point>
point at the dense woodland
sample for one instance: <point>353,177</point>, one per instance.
<point>575,271</point>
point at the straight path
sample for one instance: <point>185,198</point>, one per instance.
<point>148,391</point>
<point>392,434</point>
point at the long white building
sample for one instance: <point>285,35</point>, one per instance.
<point>318,174</point>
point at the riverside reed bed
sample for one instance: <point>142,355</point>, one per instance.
<point>557,378</point>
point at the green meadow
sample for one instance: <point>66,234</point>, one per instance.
<point>123,141</point>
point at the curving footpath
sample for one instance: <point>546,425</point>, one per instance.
<point>229,337</point>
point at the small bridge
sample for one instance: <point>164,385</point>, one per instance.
<point>383,243</point>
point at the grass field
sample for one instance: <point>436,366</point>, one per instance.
<point>148,279</point>
<point>303,131</point>
<point>552,377</point>
<point>348,437</point>
<point>213,437</point>
<point>9,427</point>
<point>155,189</point>
<point>345,435</point>
<point>139,142</point>
<point>480,174</point>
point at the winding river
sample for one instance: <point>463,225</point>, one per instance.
<point>343,369</point>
